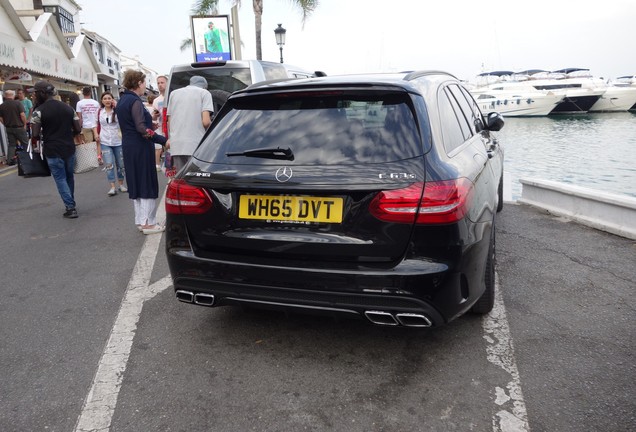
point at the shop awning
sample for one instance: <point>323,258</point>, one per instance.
<point>46,53</point>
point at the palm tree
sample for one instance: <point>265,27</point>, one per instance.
<point>203,7</point>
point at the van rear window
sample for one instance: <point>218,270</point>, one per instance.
<point>274,71</point>
<point>228,79</point>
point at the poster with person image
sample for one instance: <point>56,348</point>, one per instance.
<point>211,38</point>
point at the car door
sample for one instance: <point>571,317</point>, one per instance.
<point>471,156</point>
<point>495,153</point>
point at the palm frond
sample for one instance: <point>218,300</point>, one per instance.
<point>205,7</point>
<point>185,44</point>
<point>307,7</point>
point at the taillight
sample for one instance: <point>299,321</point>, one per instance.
<point>442,202</point>
<point>164,123</point>
<point>184,199</point>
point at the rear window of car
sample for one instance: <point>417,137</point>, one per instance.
<point>229,79</point>
<point>325,128</point>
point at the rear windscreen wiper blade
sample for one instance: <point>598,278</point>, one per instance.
<point>271,153</point>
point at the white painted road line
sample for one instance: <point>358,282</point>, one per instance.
<point>512,417</point>
<point>99,406</point>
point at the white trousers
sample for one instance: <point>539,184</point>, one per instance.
<point>145,211</point>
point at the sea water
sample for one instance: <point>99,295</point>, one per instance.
<point>596,151</point>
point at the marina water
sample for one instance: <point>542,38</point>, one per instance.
<point>596,151</point>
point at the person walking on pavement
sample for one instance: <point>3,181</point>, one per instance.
<point>138,145</point>
<point>87,111</point>
<point>57,124</point>
<point>157,115</point>
<point>14,119</point>
<point>188,116</point>
<point>110,138</point>
<point>28,109</point>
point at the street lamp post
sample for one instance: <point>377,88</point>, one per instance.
<point>280,39</point>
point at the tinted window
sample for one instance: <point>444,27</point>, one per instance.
<point>300,74</point>
<point>453,130</point>
<point>320,128</point>
<point>466,110</point>
<point>274,71</point>
<point>228,79</point>
<point>476,112</point>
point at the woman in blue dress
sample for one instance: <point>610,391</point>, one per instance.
<point>138,148</point>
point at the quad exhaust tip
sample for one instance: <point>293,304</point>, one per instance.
<point>404,319</point>
<point>413,320</point>
<point>381,318</point>
<point>201,299</point>
<point>204,299</point>
<point>185,296</point>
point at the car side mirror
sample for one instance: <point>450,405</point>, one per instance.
<point>495,122</point>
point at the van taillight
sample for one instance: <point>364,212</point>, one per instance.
<point>182,198</point>
<point>442,202</point>
<point>164,123</point>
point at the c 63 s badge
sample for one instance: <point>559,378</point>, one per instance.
<point>397,176</point>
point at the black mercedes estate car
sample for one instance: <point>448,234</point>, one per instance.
<point>369,196</point>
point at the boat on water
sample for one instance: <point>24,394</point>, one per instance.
<point>501,91</point>
<point>520,102</point>
<point>626,81</point>
<point>616,99</point>
<point>581,89</point>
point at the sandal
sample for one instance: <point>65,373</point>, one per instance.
<point>153,229</point>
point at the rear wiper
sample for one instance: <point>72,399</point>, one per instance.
<point>271,153</point>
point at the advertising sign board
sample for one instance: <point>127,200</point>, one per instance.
<point>211,38</point>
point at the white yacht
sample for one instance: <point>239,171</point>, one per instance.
<point>616,99</point>
<point>578,89</point>
<point>511,95</point>
<point>523,101</point>
<point>628,81</point>
<point>581,89</point>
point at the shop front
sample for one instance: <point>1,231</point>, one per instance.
<point>42,53</point>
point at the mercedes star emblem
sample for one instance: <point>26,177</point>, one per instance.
<point>283,174</point>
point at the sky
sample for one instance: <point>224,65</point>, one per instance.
<point>463,37</point>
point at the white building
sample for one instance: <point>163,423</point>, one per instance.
<point>42,39</point>
<point>34,46</point>
<point>135,63</point>
<point>108,57</point>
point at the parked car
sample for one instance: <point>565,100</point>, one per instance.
<point>366,196</point>
<point>225,77</point>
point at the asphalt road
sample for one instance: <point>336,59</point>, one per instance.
<point>91,337</point>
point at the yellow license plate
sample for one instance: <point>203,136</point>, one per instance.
<point>291,208</point>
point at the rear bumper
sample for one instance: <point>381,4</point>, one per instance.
<point>411,289</point>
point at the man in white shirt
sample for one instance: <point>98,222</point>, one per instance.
<point>157,115</point>
<point>87,112</point>
<point>189,115</point>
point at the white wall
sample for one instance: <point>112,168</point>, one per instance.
<point>604,211</point>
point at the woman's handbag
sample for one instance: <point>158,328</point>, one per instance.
<point>32,164</point>
<point>86,157</point>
